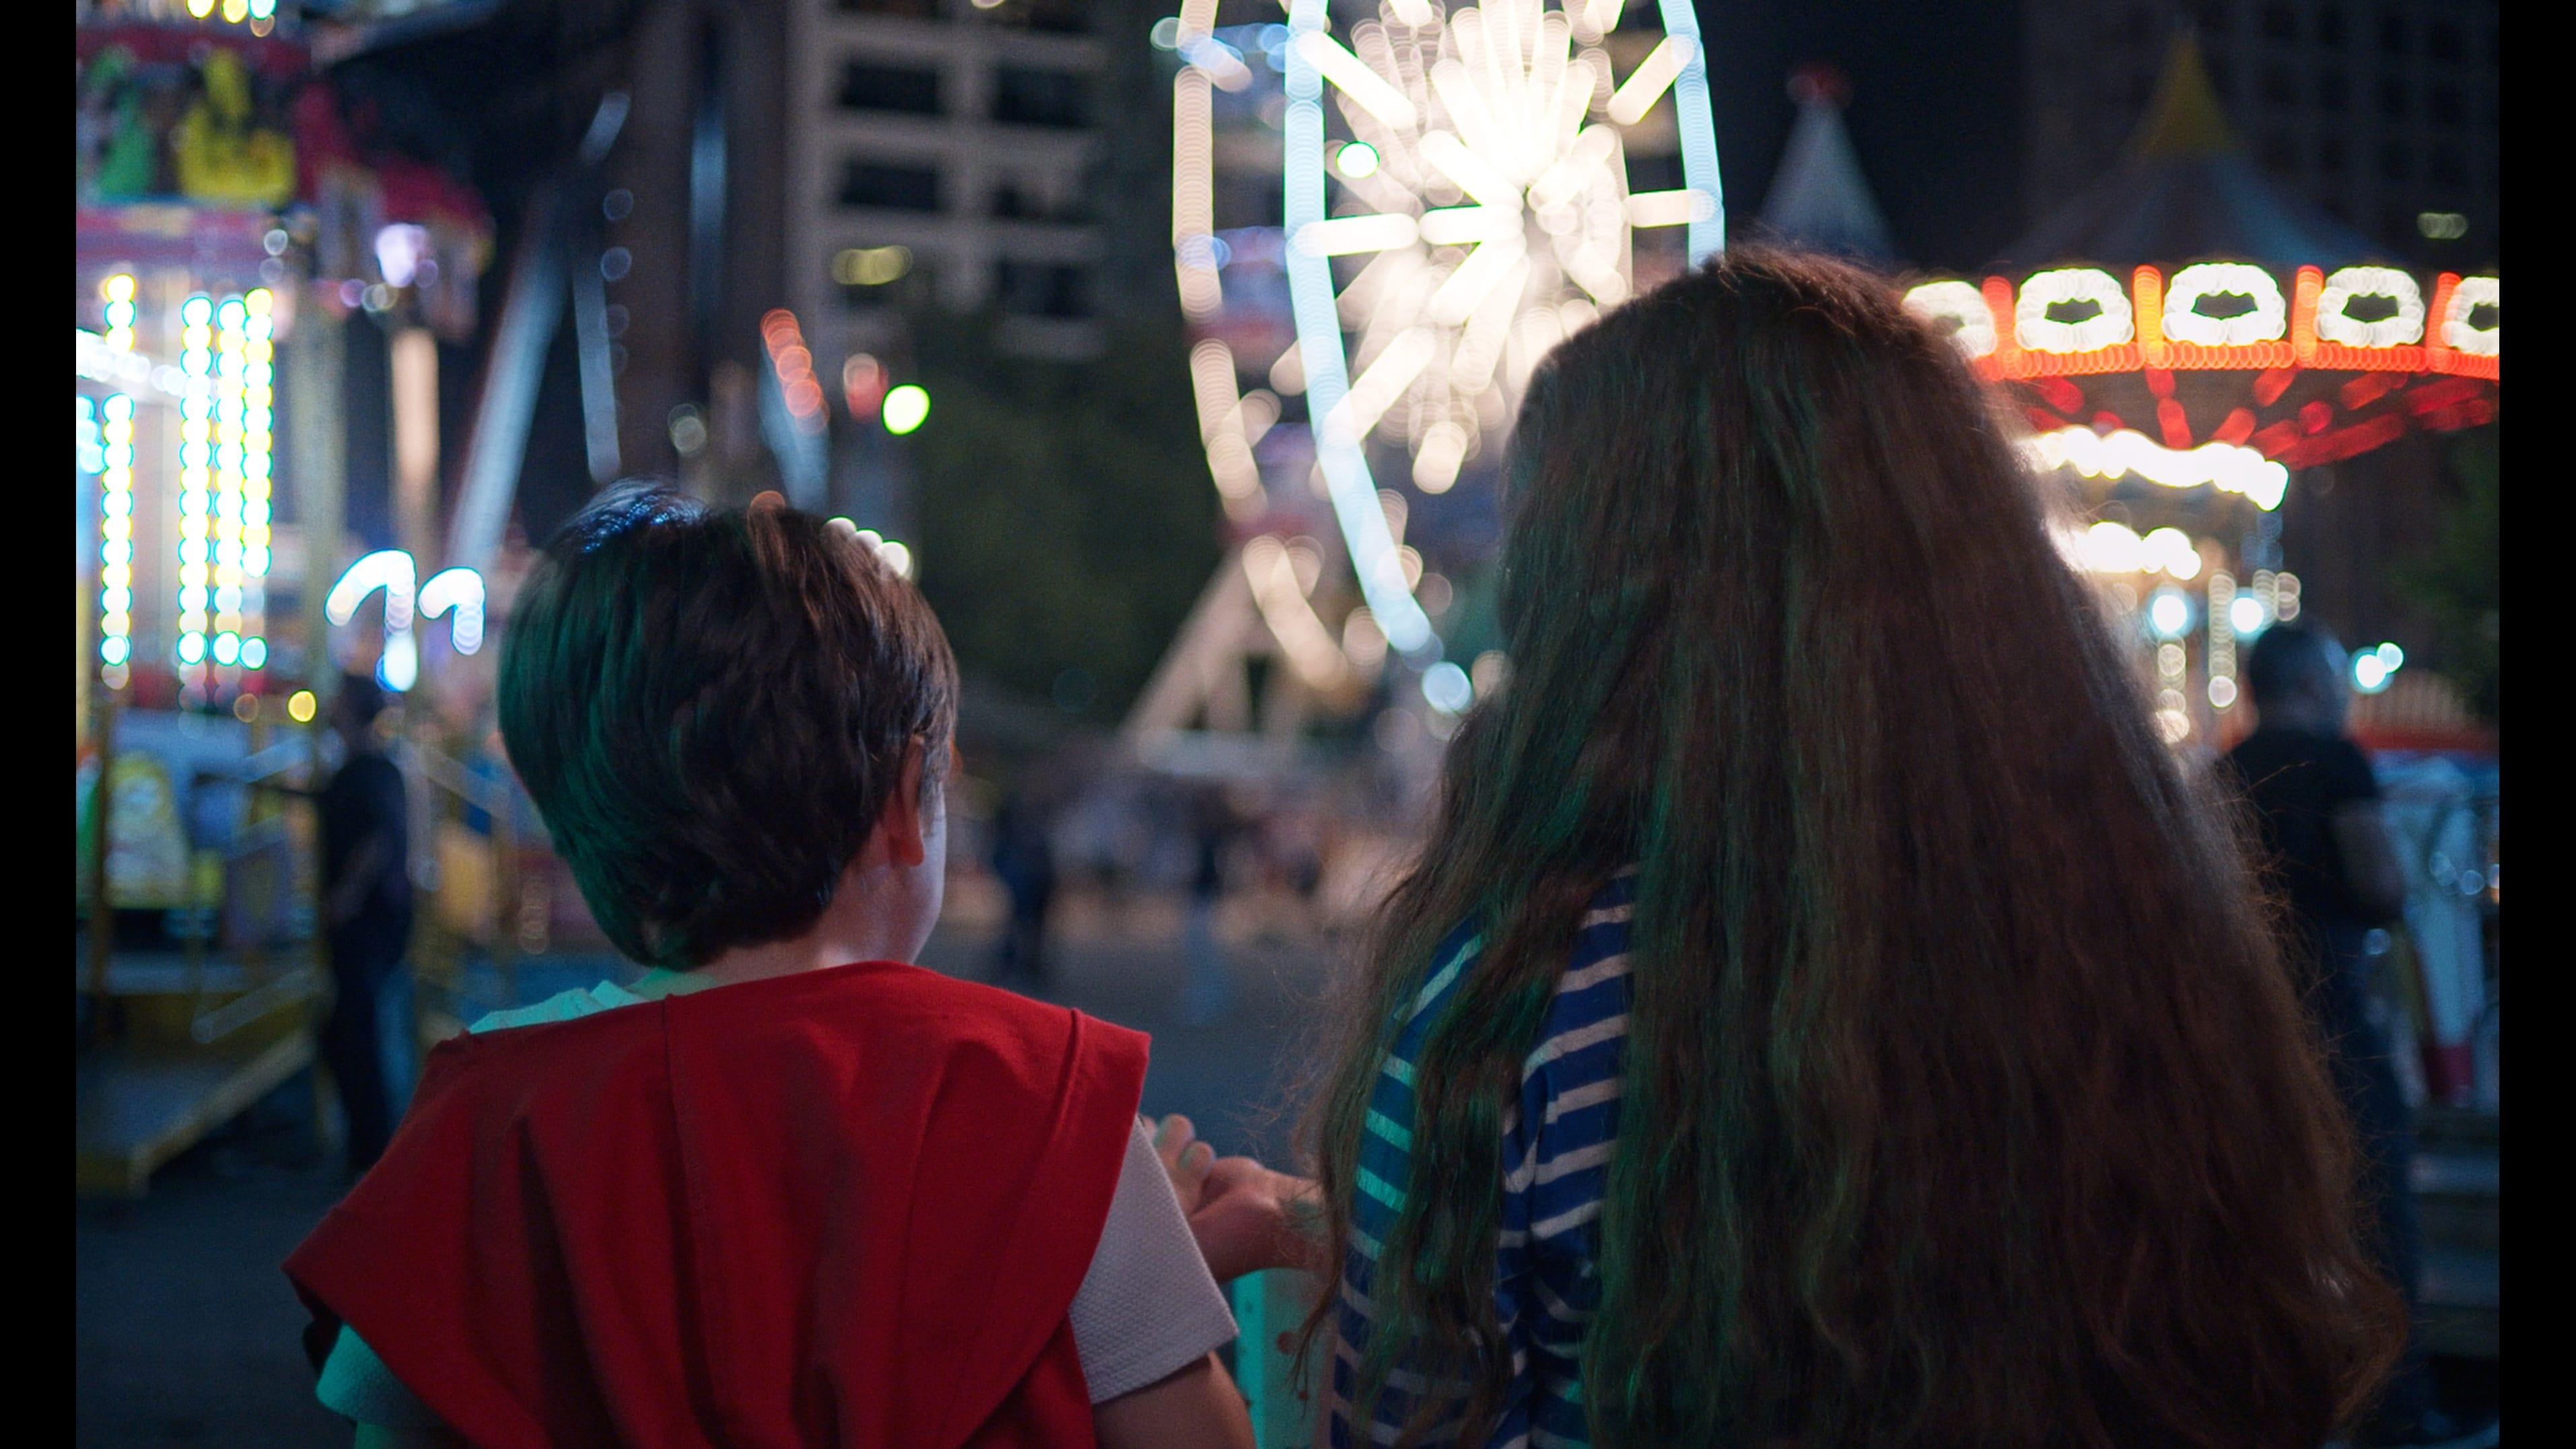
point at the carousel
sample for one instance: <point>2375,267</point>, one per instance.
<point>2184,340</point>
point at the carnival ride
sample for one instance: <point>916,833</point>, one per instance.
<point>2183,339</point>
<point>230,231</point>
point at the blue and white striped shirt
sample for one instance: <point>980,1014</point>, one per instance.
<point>1558,1138</point>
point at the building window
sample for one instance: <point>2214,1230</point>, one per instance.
<point>1015,201</point>
<point>1025,97</point>
<point>2394,163</point>
<point>870,87</point>
<point>1042,289</point>
<point>1059,17</point>
<point>2280,87</point>
<point>917,284</point>
<point>892,187</point>
<point>2280,23</point>
<point>2392,97</point>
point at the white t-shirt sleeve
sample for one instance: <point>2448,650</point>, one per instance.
<point>1148,1307</point>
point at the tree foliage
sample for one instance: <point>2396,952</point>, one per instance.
<point>2456,581</point>
<point>1065,516</point>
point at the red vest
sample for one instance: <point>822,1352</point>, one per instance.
<point>845,1207</point>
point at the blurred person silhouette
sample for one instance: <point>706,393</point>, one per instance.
<point>1208,990</point>
<point>1024,860</point>
<point>1821,1011</point>
<point>367,916</point>
<point>2316,809</point>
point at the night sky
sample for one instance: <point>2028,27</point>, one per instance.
<point>1935,111</point>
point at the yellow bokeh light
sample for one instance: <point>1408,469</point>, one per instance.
<point>299,706</point>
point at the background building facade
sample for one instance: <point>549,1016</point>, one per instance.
<point>2383,112</point>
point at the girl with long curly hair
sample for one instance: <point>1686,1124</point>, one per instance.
<point>1823,1011</point>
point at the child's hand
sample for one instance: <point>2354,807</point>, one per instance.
<point>1184,1157</point>
<point>1249,1218</point>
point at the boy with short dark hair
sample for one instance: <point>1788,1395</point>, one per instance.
<point>790,1188</point>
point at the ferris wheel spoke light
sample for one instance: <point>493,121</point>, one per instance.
<point>1416,13</point>
<point>1466,290</point>
<point>1597,277</point>
<point>1379,385</point>
<point>1592,149</point>
<point>1470,171</point>
<point>1669,208</point>
<point>1366,88</point>
<point>1654,75</point>
<point>1219,60</point>
<point>1573,99</point>
<point>1466,106</point>
<point>1451,226</point>
<point>1344,235</point>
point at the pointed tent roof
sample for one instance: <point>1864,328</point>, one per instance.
<point>1818,198</point>
<point>2185,191</point>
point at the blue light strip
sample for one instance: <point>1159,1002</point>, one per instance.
<point>1698,132</point>
<point>1319,345</point>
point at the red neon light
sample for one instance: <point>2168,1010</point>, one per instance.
<point>2472,413</point>
<point>2316,417</point>
<point>2447,393</point>
<point>2361,392</point>
<point>2274,382</point>
<point>793,363</point>
<point>2176,428</point>
<point>2120,357</point>
<point>2335,357</point>
<point>2065,396</point>
<point>2238,426</point>
<point>2344,443</point>
<point>2276,439</point>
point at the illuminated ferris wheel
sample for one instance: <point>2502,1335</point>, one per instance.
<point>1457,201</point>
<point>1473,211</point>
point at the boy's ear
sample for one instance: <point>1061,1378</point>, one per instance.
<point>905,824</point>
